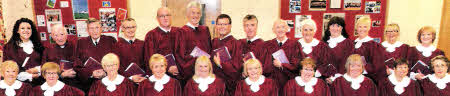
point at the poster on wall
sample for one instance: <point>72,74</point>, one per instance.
<point>298,19</point>
<point>295,6</point>
<point>355,33</point>
<point>51,3</point>
<point>80,9</point>
<point>108,19</point>
<point>317,5</point>
<point>106,3</point>
<point>43,36</point>
<point>53,16</point>
<point>64,4</point>
<point>122,14</point>
<point>70,29</point>
<point>326,19</point>
<point>376,23</point>
<point>40,20</point>
<point>373,7</point>
<point>352,4</point>
<point>81,28</point>
<point>335,4</point>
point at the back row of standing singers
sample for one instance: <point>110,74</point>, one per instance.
<point>335,65</point>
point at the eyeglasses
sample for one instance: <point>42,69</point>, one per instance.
<point>110,65</point>
<point>131,27</point>
<point>51,73</point>
<point>222,24</point>
<point>392,31</point>
<point>162,16</point>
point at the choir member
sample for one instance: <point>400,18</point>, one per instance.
<point>191,35</point>
<point>159,84</point>
<point>9,86</point>
<point>283,71</point>
<point>394,49</point>
<point>398,83</point>
<point>130,50</point>
<point>354,83</point>
<point>371,50</point>
<point>437,84</point>
<point>204,82</point>
<point>52,86</point>
<point>424,52</point>
<point>113,84</point>
<point>26,49</point>
<point>230,69</point>
<point>62,51</point>
<point>317,50</point>
<point>255,84</point>
<point>306,84</point>
<point>341,46</point>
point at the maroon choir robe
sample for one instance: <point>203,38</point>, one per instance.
<point>268,88</point>
<point>171,88</point>
<point>189,38</point>
<point>342,87</point>
<point>414,55</point>
<point>341,52</point>
<point>257,48</point>
<point>158,41</point>
<point>125,88</point>
<point>24,90</point>
<point>430,89</point>
<point>374,55</point>
<point>323,56</point>
<point>217,88</point>
<point>130,53</point>
<point>230,69</point>
<point>292,50</point>
<point>65,91</point>
<point>18,55</point>
<point>400,52</point>
<point>386,88</point>
<point>292,88</point>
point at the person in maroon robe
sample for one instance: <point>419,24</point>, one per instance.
<point>354,83</point>
<point>306,84</point>
<point>191,35</point>
<point>283,71</point>
<point>204,82</point>
<point>159,84</point>
<point>26,49</point>
<point>394,49</point>
<point>437,84</point>
<point>62,51</point>
<point>9,86</point>
<point>340,45</point>
<point>130,50</point>
<point>398,83</point>
<point>255,84</point>
<point>52,86</point>
<point>113,84</point>
<point>372,51</point>
<point>424,52</point>
<point>95,46</point>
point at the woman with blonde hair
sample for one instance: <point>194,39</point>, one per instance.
<point>204,82</point>
<point>438,83</point>
<point>394,49</point>
<point>306,84</point>
<point>255,84</point>
<point>9,86</point>
<point>52,86</point>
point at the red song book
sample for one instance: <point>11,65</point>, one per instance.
<point>390,62</point>
<point>330,70</point>
<point>422,67</point>
<point>134,69</point>
<point>223,53</point>
<point>171,61</point>
<point>280,56</point>
<point>249,55</point>
<point>65,64</point>
<point>93,64</point>
<point>197,52</point>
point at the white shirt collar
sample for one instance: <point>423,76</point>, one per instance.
<point>253,39</point>
<point>356,83</point>
<point>307,47</point>
<point>164,30</point>
<point>204,82</point>
<point>98,40</point>
<point>391,47</point>
<point>27,46</point>
<point>308,85</point>
<point>399,87</point>
<point>360,41</point>
<point>332,42</point>
<point>159,84</point>
<point>50,91</point>
<point>111,85</point>
<point>284,41</point>
<point>440,83</point>
<point>10,90</point>
<point>225,36</point>
<point>426,51</point>
<point>254,86</point>
<point>128,40</point>
<point>190,25</point>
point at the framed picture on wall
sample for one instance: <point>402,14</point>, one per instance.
<point>80,9</point>
<point>317,5</point>
<point>108,19</point>
<point>295,6</point>
<point>373,7</point>
<point>335,4</point>
<point>352,4</point>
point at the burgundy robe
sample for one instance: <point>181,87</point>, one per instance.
<point>293,89</point>
<point>130,53</point>
<point>126,88</point>
<point>171,88</point>
<point>341,53</point>
<point>399,53</point>
<point>189,38</point>
<point>230,69</point>
<point>342,87</point>
<point>292,50</point>
<point>430,89</point>
<point>373,53</point>
<point>24,90</point>
<point>217,88</point>
<point>414,56</point>
<point>257,48</point>
<point>268,88</point>
<point>19,56</point>
<point>65,91</point>
<point>387,89</point>
<point>158,41</point>
<point>322,54</point>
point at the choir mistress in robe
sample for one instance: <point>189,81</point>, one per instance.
<point>306,84</point>
<point>26,49</point>
<point>437,84</point>
<point>394,49</point>
<point>255,84</point>
<point>354,83</point>
<point>398,83</point>
<point>113,84</point>
<point>204,82</point>
<point>52,86</point>
<point>9,86</point>
<point>159,84</point>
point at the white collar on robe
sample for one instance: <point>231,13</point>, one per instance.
<point>426,51</point>
<point>159,84</point>
<point>440,83</point>
<point>308,85</point>
<point>254,86</point>
<point>282,42</point>
<point>10,90</point>
<point>332,42</point>
<point>190,25</point>
<point>399,87</point>
<point>307,47</point>
<point>128,40</point>
<point>360,41</point>
<point>27,46</point>
<point>391,47</point>
<point>164,30</point>
<point>204,82</point>
<point>98,40</point>
<point>253,39</point>
<point>356,83</point>
<point>50,91</point>
<point>225,36</point>
<point>111,85</point>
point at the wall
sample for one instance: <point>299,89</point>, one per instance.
<point>14,10</point>
<point>144,12</point>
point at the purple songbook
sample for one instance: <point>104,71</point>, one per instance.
<point>65,64</point>
<point>197,52</point>
<point>134,69</point>
<point>422,67</point>
<point>249,55</point>
<point>280,56</point>
<point>223,53</point>
<point>93,64</point>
